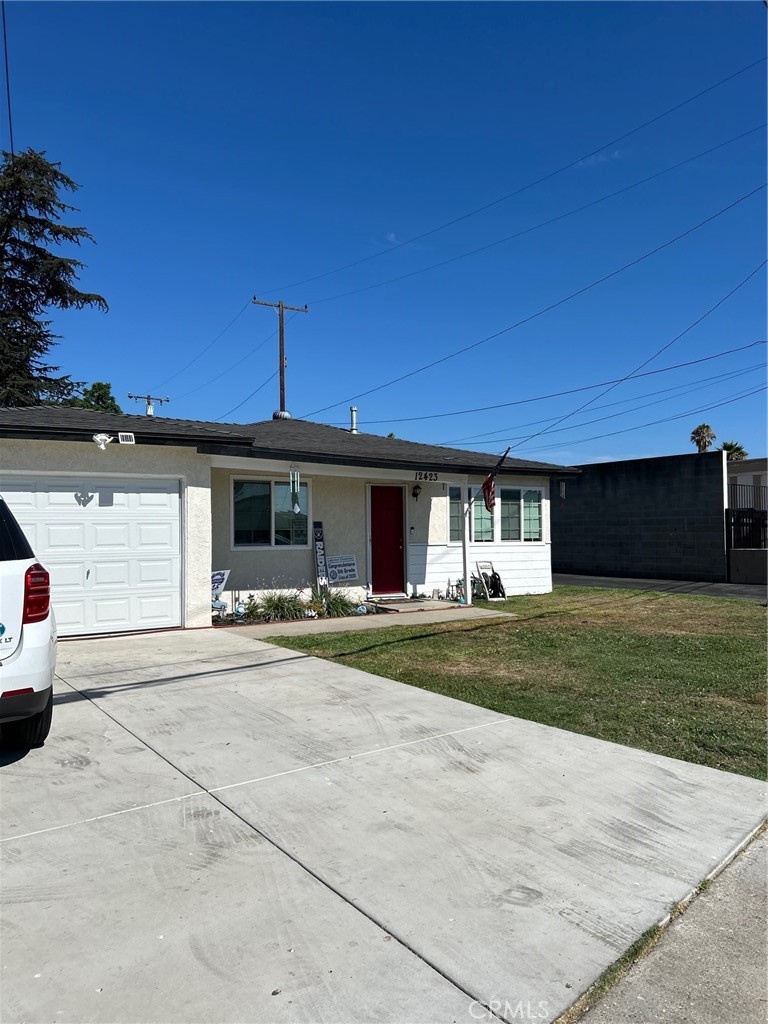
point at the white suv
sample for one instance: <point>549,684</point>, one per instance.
<point>27,640</point>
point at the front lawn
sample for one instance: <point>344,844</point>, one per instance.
<point>677,674</point>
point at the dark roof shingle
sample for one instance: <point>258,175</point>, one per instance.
<point>279,439</point>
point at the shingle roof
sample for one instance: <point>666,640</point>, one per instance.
<point>268,439</point>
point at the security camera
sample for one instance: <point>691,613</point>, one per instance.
<point>102,440</point>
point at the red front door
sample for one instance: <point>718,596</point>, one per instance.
<point>387,540</point>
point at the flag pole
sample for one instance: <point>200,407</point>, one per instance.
<point>465,535</point>
<point>465,549</point>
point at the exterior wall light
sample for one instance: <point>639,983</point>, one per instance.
<point>416,491</point>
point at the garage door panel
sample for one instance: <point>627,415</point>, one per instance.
<point>112,545</point>
<point>111,535</point>
<point>156,535</point>
<point>153,499</point>
<point>64,537</point>
<point>156,609</point>
<point>160,571</point>
<point>70,616</point>
<point>111,612</point>
<point>18,498</point>
<point>66,575</point>
<point>65,495</point>
<point>111,574</point>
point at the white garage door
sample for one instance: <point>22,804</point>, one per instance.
<point>112,546</point>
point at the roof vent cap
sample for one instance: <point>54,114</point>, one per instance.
<point>281,414</point>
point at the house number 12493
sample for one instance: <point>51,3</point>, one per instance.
<point>429,477</point>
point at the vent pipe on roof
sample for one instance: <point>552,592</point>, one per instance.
<point>353,419</point>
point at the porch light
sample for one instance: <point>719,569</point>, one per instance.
<point>416,491</point>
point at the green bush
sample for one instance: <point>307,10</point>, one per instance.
<point>337,604</point>
<point>276,607</point>
<point>331,604</point>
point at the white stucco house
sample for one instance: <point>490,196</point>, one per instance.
<point>131,528</point>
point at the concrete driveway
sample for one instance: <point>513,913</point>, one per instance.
<point>219,830</point>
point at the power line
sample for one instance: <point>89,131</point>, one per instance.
<point>653,423</point>
<point>7,79</point>
<point>541,224</point>
<point>206,349</point>
<point>682,389</point>
<point>492,436</point>
<point>453,259</point>
<point>555,394</point>
<point>248,355</point>
<point>650,359</point>
<point>247,398</point>
<point>541,312</point>
<point>523,188</point>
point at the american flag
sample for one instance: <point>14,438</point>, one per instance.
<point>489,484</point>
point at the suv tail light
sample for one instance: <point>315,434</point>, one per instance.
<point>37,593</point>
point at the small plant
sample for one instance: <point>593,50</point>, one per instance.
<point>337,604</point>
<point>331,604</point>
<point>276,607</point>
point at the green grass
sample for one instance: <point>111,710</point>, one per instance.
<point>676,674</point>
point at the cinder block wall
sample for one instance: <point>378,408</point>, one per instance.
<point>655,518</point>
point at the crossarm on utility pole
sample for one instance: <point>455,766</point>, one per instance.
<point>281,308</point>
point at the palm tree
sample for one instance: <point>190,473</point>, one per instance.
<point>735,451</point>
<point>703,436</point>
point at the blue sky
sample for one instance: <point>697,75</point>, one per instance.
<point>231,150</point>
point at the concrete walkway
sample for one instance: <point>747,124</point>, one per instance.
<point>709,967</point>
<point>742,591</point>
<point>221,831</point>
<point>415,614</point>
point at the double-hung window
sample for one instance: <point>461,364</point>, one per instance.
<point>516,517</point>
<point>520,513</point>
<point>455,515</point>
<point>481,526</point>
<point>264,514</point>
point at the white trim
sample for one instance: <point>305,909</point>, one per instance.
<point>522,488</point>
<point>474,494</point>
<point>89,473</point>
<point>269,467</point>
<point>460,488</point>
<point>236,477</point>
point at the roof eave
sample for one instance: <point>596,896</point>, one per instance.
<point>361,462</point>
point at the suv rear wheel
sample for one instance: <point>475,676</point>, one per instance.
<point>28,732</point>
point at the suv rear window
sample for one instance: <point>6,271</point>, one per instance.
<point>13,544</point>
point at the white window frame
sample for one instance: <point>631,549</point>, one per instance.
<point>271,546</point>
<point>473,489</point>
<point>522,488</point>
<point>460,489</point>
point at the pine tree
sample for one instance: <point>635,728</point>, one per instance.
<point>35,277</point>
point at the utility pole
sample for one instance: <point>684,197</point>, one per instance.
<point>281,308</point>
<point>150,402</point>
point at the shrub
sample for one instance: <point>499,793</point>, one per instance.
<point>276,607</point>
<point>337,604</point>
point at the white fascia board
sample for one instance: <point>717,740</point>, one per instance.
<point>277,466</point>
